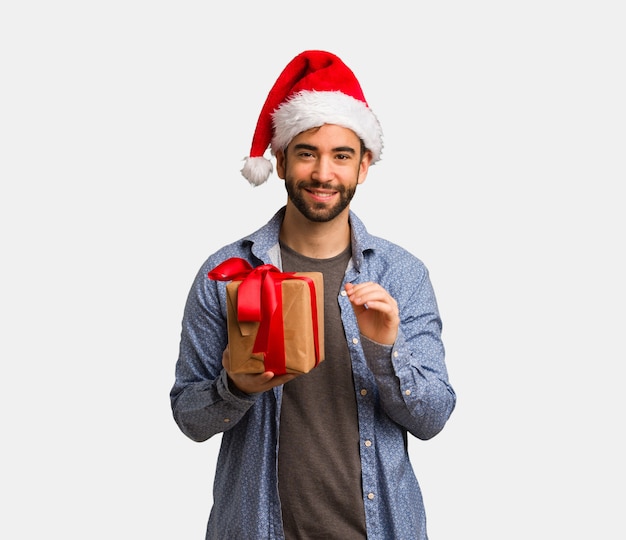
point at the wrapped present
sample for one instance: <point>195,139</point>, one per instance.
<point>275,319</point>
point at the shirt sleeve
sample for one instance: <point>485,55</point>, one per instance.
<point>203,403</point>
<point>411,375</point>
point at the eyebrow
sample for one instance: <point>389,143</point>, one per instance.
<point>345,149</point>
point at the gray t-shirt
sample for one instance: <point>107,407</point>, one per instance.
<point>319,468</point>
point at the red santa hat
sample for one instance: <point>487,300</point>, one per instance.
<point>315,88</point>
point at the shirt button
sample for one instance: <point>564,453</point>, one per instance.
<point>363,392</point>
<point>395,354</point>
<point>344,293</point>
<point>368,443</point>
<point>370,496</point>
<point>355,340</point>
<point>407,392</point>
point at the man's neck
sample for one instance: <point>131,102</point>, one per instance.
<point>315,240</point>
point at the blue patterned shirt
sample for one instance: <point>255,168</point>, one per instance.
<point>400,389</point>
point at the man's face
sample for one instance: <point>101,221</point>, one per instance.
<point>321,168</point>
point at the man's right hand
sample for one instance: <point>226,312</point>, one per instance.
<point>253,383</point>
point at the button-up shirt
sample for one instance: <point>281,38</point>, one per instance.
<point>400,389</point>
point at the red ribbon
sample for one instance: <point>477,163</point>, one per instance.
<point>260,299</point>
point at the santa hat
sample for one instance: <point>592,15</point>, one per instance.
<point>315,88</point>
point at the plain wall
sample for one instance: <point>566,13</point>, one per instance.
<point>122,131</point>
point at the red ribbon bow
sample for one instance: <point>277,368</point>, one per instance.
<point>259,299</point>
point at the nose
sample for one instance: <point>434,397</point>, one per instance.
<point>323,171</point>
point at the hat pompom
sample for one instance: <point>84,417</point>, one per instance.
<point>256,170</point>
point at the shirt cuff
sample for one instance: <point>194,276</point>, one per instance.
<point>234,392</point>
<point>378,355</point>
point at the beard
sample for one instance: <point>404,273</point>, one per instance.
<point>319,212</point>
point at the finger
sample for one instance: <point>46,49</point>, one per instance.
<point>370,297</point>
<point>266,376</point>
<point>357,292</point>
<point>275,380</point>
<point>282,379</point>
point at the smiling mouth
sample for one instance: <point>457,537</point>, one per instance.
<point>321,194</point>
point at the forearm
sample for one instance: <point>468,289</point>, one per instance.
<point>419,399</point>
<point>203,409</point>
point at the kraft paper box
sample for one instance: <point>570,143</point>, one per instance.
<point>297,324</point>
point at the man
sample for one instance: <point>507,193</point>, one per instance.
<point>323,454</point>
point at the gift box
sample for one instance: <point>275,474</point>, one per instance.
<point>275,319</point>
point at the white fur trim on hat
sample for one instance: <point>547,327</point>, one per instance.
<point>309,108</point>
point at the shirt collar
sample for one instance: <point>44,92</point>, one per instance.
<point>264,241</point>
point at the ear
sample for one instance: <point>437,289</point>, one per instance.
<point>280,164</point>
<point>364,166</point>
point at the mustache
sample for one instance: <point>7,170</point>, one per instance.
<point>321,185</point>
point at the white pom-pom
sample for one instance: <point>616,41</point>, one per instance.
<point>257,170</point>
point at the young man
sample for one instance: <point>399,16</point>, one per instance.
<point>324,454</point>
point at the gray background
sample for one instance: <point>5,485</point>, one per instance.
<point>122,130</point>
